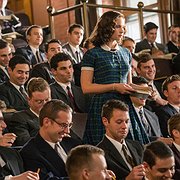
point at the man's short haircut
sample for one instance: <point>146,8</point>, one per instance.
<point>169,80</point>
<point>127,39</point>
<point>18,59</point>
<point>110,105</point>
<point>36,84</point>
<point>81,157</point>
<point>52,108</point>
<point>58,58</point>
<point>173,26</point>
<point>28,31</point>
<point>174,123</point>
<point>143,58</point>
<point>139,80</point>
<point>73,26</point>
<point>3,44</point>
<point>154,150</point>
<point>46,46</point>
<point>150,25</point>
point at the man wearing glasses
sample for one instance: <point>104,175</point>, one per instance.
<point>48,149</point>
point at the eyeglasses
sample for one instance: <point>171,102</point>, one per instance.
<point>63,125</point>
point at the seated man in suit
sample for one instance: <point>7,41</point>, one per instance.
<point>63,88</point>
<point>149,42</point>
<point>72,47</point>
<point>32,52</point>
<point>146,68</point>
<point>158,161</point>
<point>11,164</point>
<point>174,131</point>
<point>148,119</point>
<point>123,156</point>
<point>171,89</point>
<point>25,123</point>
<point>87,162</point>
<point>5,56</point>
<point>48,149</point>
<point>43,70</point>
<point>173,43</point>
<point>13,92</point>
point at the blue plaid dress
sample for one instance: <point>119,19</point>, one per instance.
<point>109,67</point>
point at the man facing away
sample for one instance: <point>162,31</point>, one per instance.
<point>87,162</point>
<point>123,156</point>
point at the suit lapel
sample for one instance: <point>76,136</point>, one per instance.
<point>113,153</point>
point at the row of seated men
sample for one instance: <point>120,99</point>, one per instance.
<point>47,152</point>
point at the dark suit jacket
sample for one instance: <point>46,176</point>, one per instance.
<point>25,124</point>
<point>12,97</point>
<point>76,66</point>
<point>154,124</point>
<point>176,64</point>
<point>172,48</point>
<point>115,161</point>
<point>13,160</point>
<point>145,45</point>
<point>43,70</point>
<point>37,153</point>
<point>3,76</point>
<point>57,92</point>
<point>177,162</point>
<point>164,113</point>
<point>67,49</point>
<point>28,54</point>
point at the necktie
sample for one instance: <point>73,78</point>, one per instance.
<point>144,121</point>
<point>38,57</point>
<point>71,97</point>
<point>23,92</point>
<point>129,159</point>
<point>78,57</point>
<point>60,152</point>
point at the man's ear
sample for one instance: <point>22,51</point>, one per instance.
<point>176,133</point>
<point>85,174</point>
<point>146,166</point>
<point>165,92</point>
<point>138,70</point>
<point>53,71</point>
<point>105,121</point>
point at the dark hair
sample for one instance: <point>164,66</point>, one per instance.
<point>104,28</point>
<point>58,58</point>
<point>143,58</point>
<point>169,80</point>
<point>112,104</point>
<point>127,39</point>
<point>174,123</point>
<point>81,157</point>
<point>46,46</point>
<point>73,26</point>
<point>51,109</point>
<point>156,149</point>
<point>3,44</point>
<point>36,84</point>
<point>28,31</point>
<point>150,25</point>
<point>18,59</point>
<point>139,80</point>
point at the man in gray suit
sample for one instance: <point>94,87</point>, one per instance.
<point>149,120</point>
<point>72,47</point>
<point>123,156</point>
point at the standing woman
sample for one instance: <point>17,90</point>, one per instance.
<point>105,71</point>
